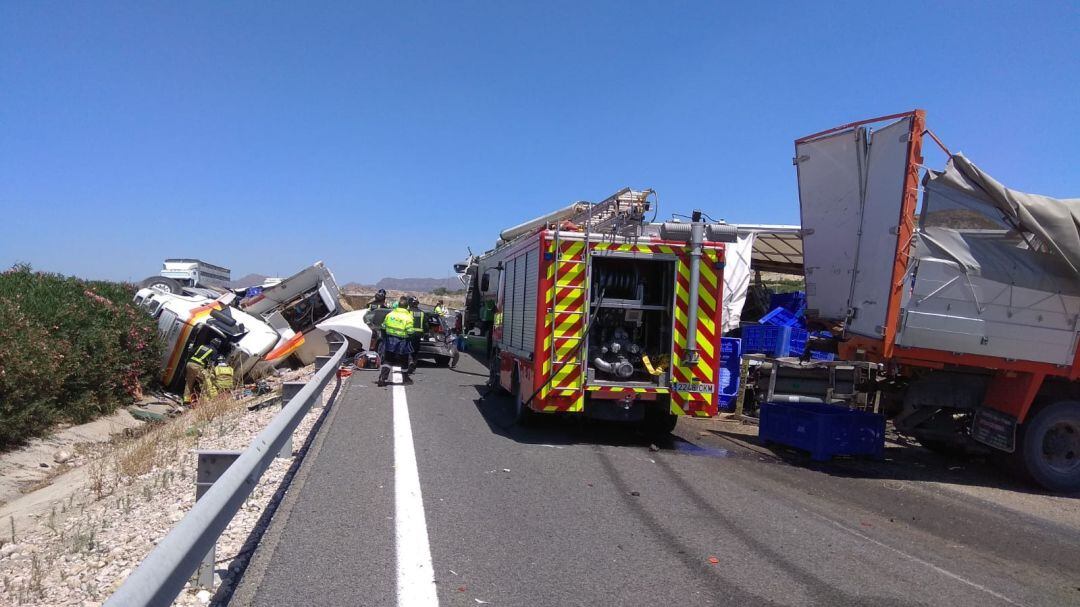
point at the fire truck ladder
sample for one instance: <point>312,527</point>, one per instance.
<point>570,301</point>
<point>621,214</point>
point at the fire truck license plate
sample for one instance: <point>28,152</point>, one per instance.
<point>694,387</point>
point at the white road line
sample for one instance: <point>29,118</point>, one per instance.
<point>916,559</point>
<point>415,574</point>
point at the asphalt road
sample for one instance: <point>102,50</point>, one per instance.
<point>584,514</point>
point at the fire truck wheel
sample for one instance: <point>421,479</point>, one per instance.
<point>493,373</point>
<point>523,416</point>
<point>1049,446</point>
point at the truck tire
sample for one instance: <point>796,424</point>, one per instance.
<point>493,373</point>
<point>1049,447</point>
<point>167,285</point>
<point>523,415</point>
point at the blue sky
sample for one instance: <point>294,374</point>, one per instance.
<point>386,138</point>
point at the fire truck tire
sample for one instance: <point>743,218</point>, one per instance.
<point>523,416</point>
<point>162,283</point>
<point>1049,447</point>
<point>493,373</point>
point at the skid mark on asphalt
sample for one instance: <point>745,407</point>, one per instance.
<point>916,559</point>
<point>415,574</point>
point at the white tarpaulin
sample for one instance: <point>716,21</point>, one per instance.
<point>737,258</point>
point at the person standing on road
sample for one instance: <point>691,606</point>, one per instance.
<point>439,309</point>
<point>396,343</point>
<point>419,324</point>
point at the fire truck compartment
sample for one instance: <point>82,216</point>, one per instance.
<point>629,342</point>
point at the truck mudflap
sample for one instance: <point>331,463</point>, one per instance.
<point>994,429</point>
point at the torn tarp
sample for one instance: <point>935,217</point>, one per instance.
<point>1045,223</point>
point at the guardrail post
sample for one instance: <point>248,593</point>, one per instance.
<point>212,464</point>
<point>320,362</point>
<point>289,389</point>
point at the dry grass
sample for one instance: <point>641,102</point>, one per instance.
<point>167,442</point>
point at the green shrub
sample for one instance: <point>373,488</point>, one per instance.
<point>70,350</point>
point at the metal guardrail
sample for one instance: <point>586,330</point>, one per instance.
<point>160,578</point>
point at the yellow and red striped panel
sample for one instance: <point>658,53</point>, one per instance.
<point>701,404</point>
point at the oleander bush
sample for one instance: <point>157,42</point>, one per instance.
<point>70,350</point>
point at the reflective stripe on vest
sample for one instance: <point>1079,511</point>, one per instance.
<point>202,355</point>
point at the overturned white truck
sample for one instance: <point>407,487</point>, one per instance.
<point>266,329</point>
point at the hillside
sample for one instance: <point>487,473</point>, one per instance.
<point>419,285</point>
<point>251,280</point>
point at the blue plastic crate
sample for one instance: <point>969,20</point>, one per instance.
<point>797,341</point>
<point>781,317</point>
<point>794,302</point>
<point>823,430</point>
<point>774,340</point>
<point>730,367</point>
<point>766,339</point>
<point>819,355</point>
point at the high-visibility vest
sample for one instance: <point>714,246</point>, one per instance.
<point>223,377</point>
<point>399,323</point>
<point>418,322</point>
<point>202,356</point>
<point>441,311</point>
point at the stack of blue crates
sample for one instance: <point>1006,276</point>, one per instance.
<point>782,332</point>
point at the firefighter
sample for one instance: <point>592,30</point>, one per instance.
<point>222,377</point>
<point>379,301</point>
<point>396,343</point>
<point>197,377</point>
<point>419,324</point>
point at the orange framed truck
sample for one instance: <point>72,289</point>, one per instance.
<point>601,313</point>
<point>971,299</point>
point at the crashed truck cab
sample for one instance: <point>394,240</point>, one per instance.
<point>264,330</point>
<point>600,313</point>
<point>187,322</point>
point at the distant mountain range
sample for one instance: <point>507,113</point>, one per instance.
<point>251,280</point>
<point>420,285</point>
<point>408,285</point>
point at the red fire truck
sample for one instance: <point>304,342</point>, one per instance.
<point>601,313</point>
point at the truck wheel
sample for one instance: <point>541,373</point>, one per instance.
<point>163,284</point>
<point>493,373</point>
<point>523,415</point>
<point>1050,447</point>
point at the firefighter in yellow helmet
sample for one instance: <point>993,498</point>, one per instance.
<point>396,345</point>
<point>198,380</point>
